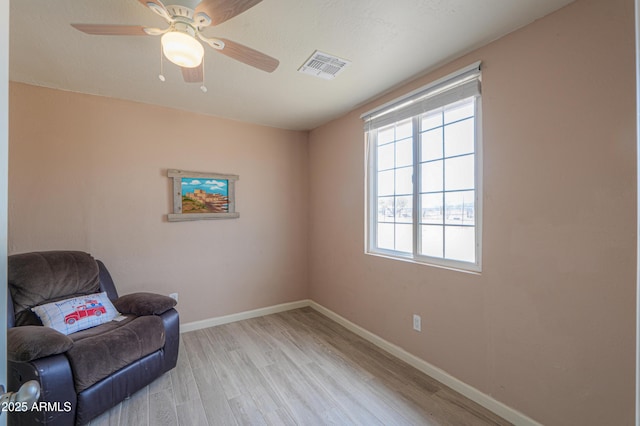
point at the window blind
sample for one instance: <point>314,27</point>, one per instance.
<point>457,86</point>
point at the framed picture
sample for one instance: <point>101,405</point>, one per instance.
<point>199,195</point>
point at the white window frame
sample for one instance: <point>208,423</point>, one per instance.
<point>406,107</point>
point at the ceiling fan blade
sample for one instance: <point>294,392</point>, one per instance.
<point>248,56</point>
<point>192,75</point>
<point>97,29</point>
<point>222,10</point>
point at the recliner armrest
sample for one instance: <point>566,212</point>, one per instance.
<point>171,321</point>
<point>56,387</point>
<point>31,342</point>
<point>144,304</point>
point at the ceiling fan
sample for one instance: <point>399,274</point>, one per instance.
<point>180,40</point>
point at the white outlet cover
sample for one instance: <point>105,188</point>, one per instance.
<point>417,323</point>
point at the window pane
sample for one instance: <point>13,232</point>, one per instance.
<point>404,209</point>
<point>459,110</point>
<point>404,153</point>
<point>404,240</point>
<point>385,236</point>
<point>460,243</point>
<point>385,209</point>
<point>459,173</point>
<point>431,208</point>
<point>431,179</point>
<point>460,208</point>
<point>404,183</point>
<point>432,119</point>
<point>431,148</point>
<point>459,138</point>
<point>385,182</point>
<point>423,182</point>
<point>385,157</point>
<point>386,135</point>
<point>431,240</point>
<point>404,129</point>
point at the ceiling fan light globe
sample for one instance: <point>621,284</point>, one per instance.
<point>182,49</point>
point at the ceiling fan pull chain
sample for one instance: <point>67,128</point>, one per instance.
<point>161,75</point>
<point>203,87</point>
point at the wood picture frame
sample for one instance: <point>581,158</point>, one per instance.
<point>198,196</point>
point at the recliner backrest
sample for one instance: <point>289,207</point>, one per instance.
<point>106,282</point>
<point>41,277</point>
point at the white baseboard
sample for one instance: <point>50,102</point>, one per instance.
<point>211,322</point>
<point>491,404</point>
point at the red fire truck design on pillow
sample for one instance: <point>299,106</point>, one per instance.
<point>91,307</point>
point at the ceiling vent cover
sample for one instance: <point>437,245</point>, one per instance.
<point>323,65</point>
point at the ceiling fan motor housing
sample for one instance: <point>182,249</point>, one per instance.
<point>184,27</point>
<point>182,13</point>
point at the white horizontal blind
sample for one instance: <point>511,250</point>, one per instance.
<point>457,86</point>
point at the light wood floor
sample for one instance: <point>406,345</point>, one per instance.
<point>292,368</point>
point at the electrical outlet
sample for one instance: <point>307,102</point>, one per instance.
<point>174,296</point>
<point>417,322</point>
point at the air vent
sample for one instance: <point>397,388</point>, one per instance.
<point>323,65</point>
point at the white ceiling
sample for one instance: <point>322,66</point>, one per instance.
<point>388,42</point>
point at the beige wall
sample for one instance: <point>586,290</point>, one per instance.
<point>89,173</point>
<point>548,327</point>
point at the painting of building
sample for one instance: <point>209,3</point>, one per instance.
<point>205,195</point>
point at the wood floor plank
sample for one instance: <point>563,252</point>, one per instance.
<point>223,337</point>
<point>184,385</point>
<point>465,411</point>
<point>254,384</point>
<point>292,368</point>
<point>215,402</point>
<point>253,342</point>
<point>218,411</point>
<point>310,402</point>
<point>196,347</point>
<point>293,347</point>
<point>182,380</point>
<point>208,383</point>
<point>246,412</point>
<point>316,349</point>
<point>299,404</point>
<point>135,409</point>
<point>280,417</point>
<point>191,413</point>
<point>223,366</point>
<point>344,396</point>
<point>162,383</point>
<point>162,408</point>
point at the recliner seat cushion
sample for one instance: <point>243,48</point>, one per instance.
<point>97,354</point>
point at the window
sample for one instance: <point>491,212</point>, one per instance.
<point>424,192</point>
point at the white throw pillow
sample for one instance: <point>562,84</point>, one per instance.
<point>78,313</point>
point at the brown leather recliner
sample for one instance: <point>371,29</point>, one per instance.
<point>87,372</point>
